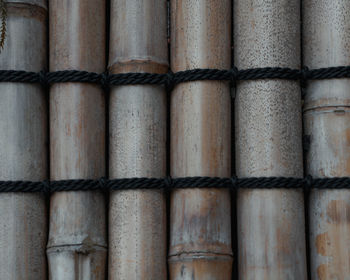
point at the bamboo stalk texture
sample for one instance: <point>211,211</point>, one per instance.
<point>200,219</point>
<point>23,144</point>
<point>137,218</point>
<point>268,141</point>
<point>77,238</point>
<point>271,234</point>
<point>326,40</point>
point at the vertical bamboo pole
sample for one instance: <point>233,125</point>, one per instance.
<point>271,236</point>
<point>23,149</point>
<point>200,229</point>
<point>77,238</point>
<point>326,40</point>
<point>137,218</point>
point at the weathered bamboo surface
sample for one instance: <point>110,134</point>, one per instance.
<point>271,236</point>
<point>23,146</point>
<point>326,40</point>
<point>200,222</point>
<point>137,218</point>
<point>77,239</point>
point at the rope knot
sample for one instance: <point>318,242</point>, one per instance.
<point>169,81</point>
<point>46,187</point>
<point>43,78</point>
<point>305,73</point>
<point>103,183</point>
<point>105,80</point>
<point>233,72</point>
<point>308,182</point>
<point>304,76</point>
<point>168,181</point>
<point>234,182</point>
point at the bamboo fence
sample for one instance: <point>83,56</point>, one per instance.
<point>80,130</point>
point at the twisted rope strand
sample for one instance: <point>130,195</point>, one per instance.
<point>169,183</point>
<point>171,79</point>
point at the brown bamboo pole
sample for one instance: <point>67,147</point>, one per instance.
<point>200,227</point>
<point>77,239</point>
<point>23,149</point>
<point>271,236</point>
<point>137,218</point>
<point>326,40</point>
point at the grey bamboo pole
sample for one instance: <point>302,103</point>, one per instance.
<point>271,236</point>
<point>200,222</point>
<point>326,40</point>
<point>137,218</point>
<point>77,239</point>
<point>23,148</point>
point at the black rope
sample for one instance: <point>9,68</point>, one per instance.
<point>169,183</point>
<point>171,79</point>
